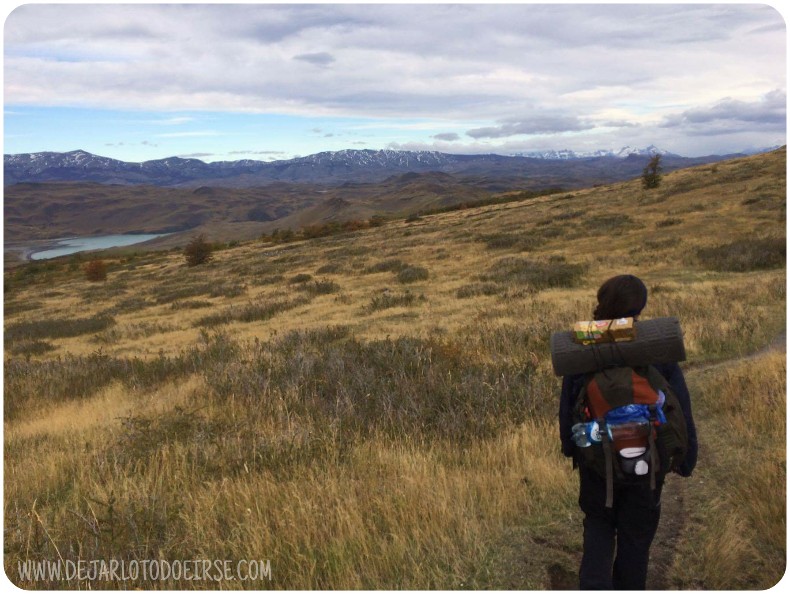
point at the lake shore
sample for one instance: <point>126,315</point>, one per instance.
<point>20,252</point>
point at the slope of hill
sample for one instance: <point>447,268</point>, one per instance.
<point>53,210</point>
<point>44,211</point>
<point>377,410</point>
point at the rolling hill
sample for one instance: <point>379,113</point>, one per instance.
<point>377,409</point>
<point>35,211</point>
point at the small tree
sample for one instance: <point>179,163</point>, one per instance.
<point>197,251</point>
<point>651,175</point>
<point>95,270</point>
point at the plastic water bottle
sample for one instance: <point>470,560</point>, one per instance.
<point>662,398</point>
<point>586,434</point>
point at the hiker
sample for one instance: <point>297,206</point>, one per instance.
<point>621,518</point>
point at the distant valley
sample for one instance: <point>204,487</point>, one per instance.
<point>39,211</point>
<point>55,195</point>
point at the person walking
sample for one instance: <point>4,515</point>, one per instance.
<point>617,539</point>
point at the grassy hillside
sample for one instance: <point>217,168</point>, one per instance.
<point>377,409</point>
<point>37,211</point>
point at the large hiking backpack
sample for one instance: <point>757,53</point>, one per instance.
<point>630,426</point>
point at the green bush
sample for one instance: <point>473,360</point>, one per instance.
<point>331,268</point>
<point>14,307</point>
<point>392,265</point>
<point>58,328</point>
<point>387,300</point>
<point>320,287</point>
<point>27,348</point>
<point>412,274</point>
<point>191,304</point>
<point>668,222</point>
<point>197,251</point>
<point>744,255</point>
<point>651,175</point>
<point>535,273</point>
<point>420,388</point>
<point>252,312</point>
<point>300,278</point>
<point>29,384</point>
<point>169,293</point>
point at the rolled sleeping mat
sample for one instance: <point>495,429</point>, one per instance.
<point>659,340</point>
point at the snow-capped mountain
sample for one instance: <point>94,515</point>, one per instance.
<point>337,167</point>
<point>381,158</point>
<point>623,153</point>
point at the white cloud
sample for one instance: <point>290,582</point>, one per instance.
<point>530,125</point>
<point>493,70</point>
<point>193,134</point>
<point>174,121</point>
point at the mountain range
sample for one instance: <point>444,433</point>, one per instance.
<point>623,153</point>
<point>492,172</point>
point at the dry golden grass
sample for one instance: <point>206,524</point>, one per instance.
<point>739,535</point>
<point>358,445</point>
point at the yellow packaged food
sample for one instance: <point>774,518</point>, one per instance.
<point>596,331</point>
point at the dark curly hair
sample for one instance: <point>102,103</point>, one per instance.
<point>621,296</point>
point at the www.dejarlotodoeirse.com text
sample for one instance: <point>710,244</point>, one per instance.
<point>216,570</point>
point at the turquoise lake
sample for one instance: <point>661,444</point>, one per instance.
<point>72,245</point>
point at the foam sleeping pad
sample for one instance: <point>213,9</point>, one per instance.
<point>659,340</point>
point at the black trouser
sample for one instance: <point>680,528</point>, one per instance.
<point>627,528</point>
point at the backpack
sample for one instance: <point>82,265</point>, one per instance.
<point>629,425</point>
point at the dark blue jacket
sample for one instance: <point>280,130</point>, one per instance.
<point>572,385</point>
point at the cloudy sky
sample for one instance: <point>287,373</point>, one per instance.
<point>268,81</point>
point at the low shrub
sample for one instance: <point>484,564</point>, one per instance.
<point>475,289</point>
<point>535,273</point>
<point>58,328</point>
<point>228,289</point>
<point>608,222</point>
<point>668,222</point>
<point>27,348</point>
<point>387,300</point>
<point>744,255</point>
<point>414,387</point>
<point>168,293</point>
<point>198,251</point>
<point>191,304</point>
<point>131,304</point>
<point>319,287</point>
<point>568,215</point>
<point>331,268</point>
<point>14,307</point>
<point>413,274</point>
<point>32,384</point>
<point>300,278</point>
<point>392,265</point>
<point>95,271</point>
<point>252,312</point>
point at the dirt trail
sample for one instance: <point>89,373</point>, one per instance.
<point>777,344</point>
<point>662,552</point>
<point>665,544</point>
